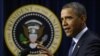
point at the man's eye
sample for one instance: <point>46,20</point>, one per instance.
<point>69,17</point>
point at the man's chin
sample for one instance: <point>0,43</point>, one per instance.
<point>69,35</point>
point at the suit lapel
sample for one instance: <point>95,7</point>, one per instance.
<point>76,49</point>
<point>79,44</point>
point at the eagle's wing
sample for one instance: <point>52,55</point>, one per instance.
<point>25,31</point>
<point>40,31</point>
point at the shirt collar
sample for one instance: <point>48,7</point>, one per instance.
<point>78,36</point>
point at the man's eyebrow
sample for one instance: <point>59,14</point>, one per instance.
<point>68,17</point>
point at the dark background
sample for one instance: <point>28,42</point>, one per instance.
<point>8,6</point>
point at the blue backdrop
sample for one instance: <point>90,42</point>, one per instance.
<point>1,27</point>
<point>8,6</point>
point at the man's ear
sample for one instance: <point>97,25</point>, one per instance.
<point>83,18</point>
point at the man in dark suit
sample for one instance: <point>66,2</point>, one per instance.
<point>84,42</point>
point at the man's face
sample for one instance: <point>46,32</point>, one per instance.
<point>71,22</point>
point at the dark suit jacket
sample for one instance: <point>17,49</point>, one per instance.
<point>88,45</point>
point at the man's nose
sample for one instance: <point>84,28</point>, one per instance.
<point>64,23</point>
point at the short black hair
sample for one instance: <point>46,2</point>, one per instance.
<point>77,7</point>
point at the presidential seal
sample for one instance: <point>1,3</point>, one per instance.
<point>29,26</point>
